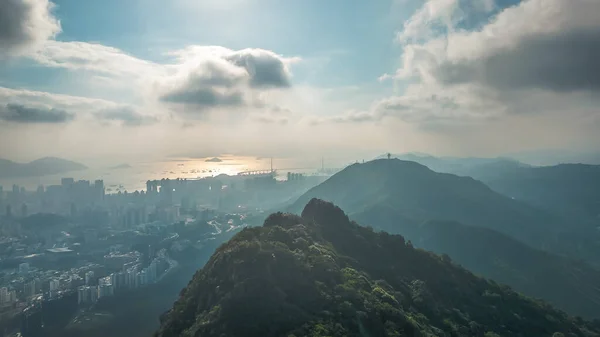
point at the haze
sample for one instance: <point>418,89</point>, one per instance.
<point>105,81</point>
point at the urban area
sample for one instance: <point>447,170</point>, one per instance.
<point>73,245</point>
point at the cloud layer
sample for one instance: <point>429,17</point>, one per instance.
<point>24,114</point>
<point>25,25</point>
<point>469,72</point>
<point>126,116</point>
<point>469,60</point>
<point>211,77</point>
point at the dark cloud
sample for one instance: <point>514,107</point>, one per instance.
<point>22,114</point>
<point>266,69</point>
<point>205,97</point>
<point>215,74</point>
<point>24,24</point>
<point>233,79</point>
<point>562,62</point>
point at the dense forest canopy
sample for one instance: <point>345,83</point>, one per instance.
<point>321,274</point>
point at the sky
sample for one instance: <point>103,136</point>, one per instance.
<point>115,80</point>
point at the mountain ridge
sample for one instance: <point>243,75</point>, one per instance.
<point>379,204</point>
<point>417,194</point>
<point>321,274</point>
<point>566,189</point>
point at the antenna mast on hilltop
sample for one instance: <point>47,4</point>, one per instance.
<point>271,164</point>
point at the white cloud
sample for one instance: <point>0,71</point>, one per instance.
<point>95,58</point>
<point>25,25</point>
<point>125,116</point>
<point>25,106</point>
<point>536,57</point>
<point>443,15</point>
<point>196,80</point>
<point>206,78</point>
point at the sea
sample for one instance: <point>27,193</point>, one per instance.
<point>133,176</point>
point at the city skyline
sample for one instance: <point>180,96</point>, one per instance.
<point>104,80</point>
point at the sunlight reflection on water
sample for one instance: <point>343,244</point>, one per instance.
<point>133,176</point>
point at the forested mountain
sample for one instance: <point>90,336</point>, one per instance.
<point>397,196</point>
<point>409,199</point>
<point>39,167</point>
<point>569,285</point>
<point>570,190</point>
<point>322,275</point>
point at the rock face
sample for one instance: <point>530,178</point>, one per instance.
<point>320,274</point>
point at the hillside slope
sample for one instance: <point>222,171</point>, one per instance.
<point>322,275</point>
<point>397,196</point>
<point>566,189</point>
<point>569,285</point>
<point>571,190</point>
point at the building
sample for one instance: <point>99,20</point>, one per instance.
<point>99,190</point>
<point>67,182</point>
<point>4,295</point>
<point>89,278</point>
<point>82,295</point>
<point>24,268</point>
<point>87,294</point>
<point>54,287</point>
<point>54,284</point>
<point>105,290</point>
<point>29,289</point>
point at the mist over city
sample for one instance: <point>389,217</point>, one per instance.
<point>299,168</point>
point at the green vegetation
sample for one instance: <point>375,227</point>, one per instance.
<point>322,275</point>
<point>568,284</point>
<point>569,189</point>
<point>492,235</point>
<point>397,196</point>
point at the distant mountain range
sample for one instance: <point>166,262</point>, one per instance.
<point>487,232</point>
<point>570,285</point>
<point>39,167</point>
<point>466,166</point>
<point>399,195</point>
<point>570,190</point>
<point>320,274</point>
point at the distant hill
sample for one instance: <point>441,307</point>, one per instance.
<point>566,189</point>
<point>572,190</point>
<point>322,275</point>
<point>466,166</point>
<point>570,285</point>
<point>39,167</point>
<point>399,195</point>
<point>121,167</point>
